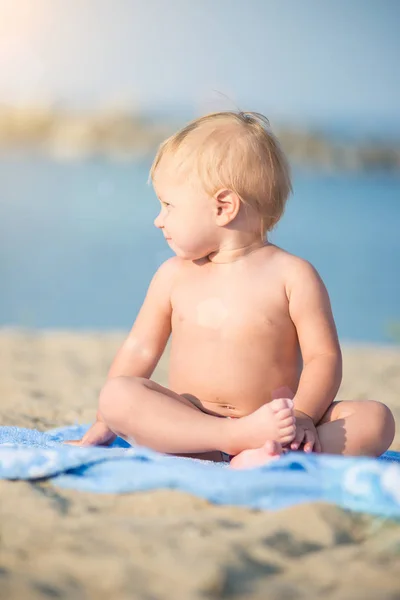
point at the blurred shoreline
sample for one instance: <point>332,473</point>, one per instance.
<point>122,135</point>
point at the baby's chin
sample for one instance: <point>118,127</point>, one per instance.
<point>187,254</point>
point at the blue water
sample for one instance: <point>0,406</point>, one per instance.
<point>78,247</point>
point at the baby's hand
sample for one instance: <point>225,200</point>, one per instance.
<point>306,434</point>
<point>98,435</point>
<point>74,442</point>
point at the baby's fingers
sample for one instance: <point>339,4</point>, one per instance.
<point>309,440</point>
<point>317,446</point>
<point>295,445</point>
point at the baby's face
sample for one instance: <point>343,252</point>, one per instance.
<point>186,218</point>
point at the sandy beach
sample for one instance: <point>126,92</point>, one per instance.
<point>166,544</point>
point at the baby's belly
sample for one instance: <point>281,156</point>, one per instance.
<point>233,383</point>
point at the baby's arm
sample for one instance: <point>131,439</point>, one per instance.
<point>311,313</point>
<point>142,349</point>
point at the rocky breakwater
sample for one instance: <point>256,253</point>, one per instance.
<point>126,135</point>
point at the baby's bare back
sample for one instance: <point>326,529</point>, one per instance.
<point>234,344</point>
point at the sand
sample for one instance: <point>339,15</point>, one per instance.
<point>166,544</point>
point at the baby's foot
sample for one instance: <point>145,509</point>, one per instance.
<point>250,459</point>
<point>273,421</point>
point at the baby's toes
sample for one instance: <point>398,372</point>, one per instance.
<point>286,421</point>
<point>287,430</point>
<point>281,404</point>
<point>284,415</point>
<point>287,435</point>
<point>282,409</point>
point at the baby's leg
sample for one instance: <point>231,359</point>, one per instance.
<point>143,412</point>
<point>356,428</point>
<point>139,409</point>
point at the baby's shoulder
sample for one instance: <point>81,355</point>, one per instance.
<point>167,273</point>
<point>285,259</point>
<point>292,267</point>
<point>171,266</point>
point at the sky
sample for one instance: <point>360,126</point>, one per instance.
<point>313,60</point>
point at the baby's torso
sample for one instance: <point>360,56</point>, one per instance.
<point>233,342</point>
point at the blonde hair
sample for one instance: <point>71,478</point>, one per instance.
<point>237,151</point>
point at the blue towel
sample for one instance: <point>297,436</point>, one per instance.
<point>361,484</point>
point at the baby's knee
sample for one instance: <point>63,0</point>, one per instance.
<point>115,395</point>
<point>381,422</point>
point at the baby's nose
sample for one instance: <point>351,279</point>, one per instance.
<point>158,221</point>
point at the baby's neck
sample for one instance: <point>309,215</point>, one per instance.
<point>236,252</point>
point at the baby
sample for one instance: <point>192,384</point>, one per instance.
<point>255,361</point>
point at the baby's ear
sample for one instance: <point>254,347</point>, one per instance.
<point>227,205</point>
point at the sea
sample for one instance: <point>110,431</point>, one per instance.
<point>78,246</point>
